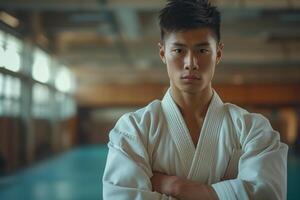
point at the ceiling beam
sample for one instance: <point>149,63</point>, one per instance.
<point>129,23</point>
<point>93,5</point>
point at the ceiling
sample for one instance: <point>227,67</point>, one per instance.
<point>115,41</point>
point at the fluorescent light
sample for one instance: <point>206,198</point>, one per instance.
<point>9,19</point>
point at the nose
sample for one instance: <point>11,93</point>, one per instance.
<point>190,62</point>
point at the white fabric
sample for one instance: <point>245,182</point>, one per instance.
<point>238,153</point>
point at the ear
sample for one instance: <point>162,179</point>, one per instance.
<point>219,52</point>
<point>161,47</point>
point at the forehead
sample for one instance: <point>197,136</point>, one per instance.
<point>191,37</point>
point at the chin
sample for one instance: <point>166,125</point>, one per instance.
<point>193,89</point>
<point>189,88</point>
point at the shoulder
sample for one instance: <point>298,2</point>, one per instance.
<point>250,126</point>
<point>135,125</point>
<point>142,116</point>
<point>244,119</point>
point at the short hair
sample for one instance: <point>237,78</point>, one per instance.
<point>183,15</point>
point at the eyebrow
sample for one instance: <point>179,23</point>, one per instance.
<point>197,45</point>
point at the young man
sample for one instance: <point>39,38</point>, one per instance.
<point>191,145</point>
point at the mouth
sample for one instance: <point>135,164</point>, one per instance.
<point>190,77</point>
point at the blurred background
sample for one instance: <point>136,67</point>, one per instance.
<point>70,68</point>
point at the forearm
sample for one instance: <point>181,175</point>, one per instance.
<point>182,189</point>
<point>190,190</point>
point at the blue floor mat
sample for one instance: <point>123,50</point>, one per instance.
<point>293,177</point>
<point>74,175</point>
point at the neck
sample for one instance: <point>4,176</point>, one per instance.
<point>193,104</point>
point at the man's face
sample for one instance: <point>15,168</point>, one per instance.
<point>191,57</point>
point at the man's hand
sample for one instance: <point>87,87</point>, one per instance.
<point>181,188</point>
<point>164,184</point>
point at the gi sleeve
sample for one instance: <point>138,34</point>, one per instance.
<point>262,167</point>
<point>128,171</point>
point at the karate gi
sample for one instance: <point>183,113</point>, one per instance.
<point>238,153</point>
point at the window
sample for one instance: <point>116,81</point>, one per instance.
<point>11,96</point>
<point>41,66</point>
<point>66,105</point>
<point>2,39</point>
<point>2,61</point>
<point>1,94</point>
<point>11,55</point>
<point>1,84</point>
<point>41,101</point>
<point>64,81</point>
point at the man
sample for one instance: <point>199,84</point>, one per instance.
<point>191,145</point>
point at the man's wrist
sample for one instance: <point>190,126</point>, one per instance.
<point>212,193</point>
<point>176,187</point>
<point>181,187</point>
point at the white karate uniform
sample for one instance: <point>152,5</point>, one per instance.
<point>238,153</point>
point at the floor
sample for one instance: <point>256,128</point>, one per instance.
<point>76,175</point>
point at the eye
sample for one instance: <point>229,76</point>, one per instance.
<point>203,51</point>
<point>178,51</point>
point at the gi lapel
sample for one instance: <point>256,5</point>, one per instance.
<point>179,132</point>
<point>208,141</point>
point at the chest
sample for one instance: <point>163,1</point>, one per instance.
<point>206,163</point>
<point>194,128</point>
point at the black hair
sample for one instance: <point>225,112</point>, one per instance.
<point>182,15</point>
